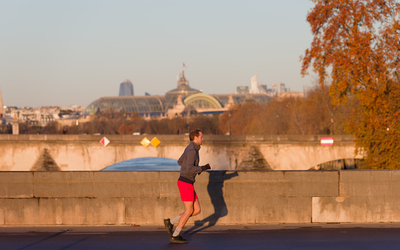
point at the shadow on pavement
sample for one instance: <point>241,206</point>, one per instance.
<point>50,237</point>
<point>39,241</point>
<point>215,191</point>
<point>74,244</point>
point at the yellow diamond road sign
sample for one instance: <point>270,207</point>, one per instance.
<point>155,142</point>
<point>145,142</point>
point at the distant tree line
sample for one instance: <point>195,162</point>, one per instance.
<point>314,114</point>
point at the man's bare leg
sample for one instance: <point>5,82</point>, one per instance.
<point>191,209</point>
<point>170,222</point>
<point>196,208</point>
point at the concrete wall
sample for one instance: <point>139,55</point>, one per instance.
<point>226,197</point>
<point>85,153</point>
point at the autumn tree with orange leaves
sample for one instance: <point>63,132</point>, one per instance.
<point>357,44</point>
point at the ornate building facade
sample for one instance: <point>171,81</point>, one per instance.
<point>181,101</point>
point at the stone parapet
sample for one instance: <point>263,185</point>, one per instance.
<point>226,197</point>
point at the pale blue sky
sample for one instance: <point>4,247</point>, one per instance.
<point>75,51</point>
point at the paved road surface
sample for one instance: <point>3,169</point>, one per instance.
<point>375,236</point>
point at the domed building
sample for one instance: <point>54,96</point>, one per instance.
<point>175,102</point>
<point>183,88</point>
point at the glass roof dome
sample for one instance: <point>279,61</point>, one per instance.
<point>143,105</point>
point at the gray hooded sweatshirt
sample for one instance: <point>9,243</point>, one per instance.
<point>189,162</point>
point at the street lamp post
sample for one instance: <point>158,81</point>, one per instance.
<point>229,122</point>
<point>187,124</point>
<point>277,124</point>
<point>176,123</point>
<point>125,132</point>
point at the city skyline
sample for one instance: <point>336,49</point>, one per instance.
<point>64,53</point>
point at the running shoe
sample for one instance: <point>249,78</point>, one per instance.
<point>178,240</point>
<point>168,226</point>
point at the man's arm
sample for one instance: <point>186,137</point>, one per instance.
<point>180,161</point>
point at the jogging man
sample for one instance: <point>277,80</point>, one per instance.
<point>189,162</point>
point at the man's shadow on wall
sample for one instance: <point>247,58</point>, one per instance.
<point>215,191</point>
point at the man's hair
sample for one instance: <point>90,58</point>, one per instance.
<point>194,133</point>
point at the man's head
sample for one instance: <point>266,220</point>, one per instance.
<point>196,136</point>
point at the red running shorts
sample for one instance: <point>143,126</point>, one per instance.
<point>187,191</point>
